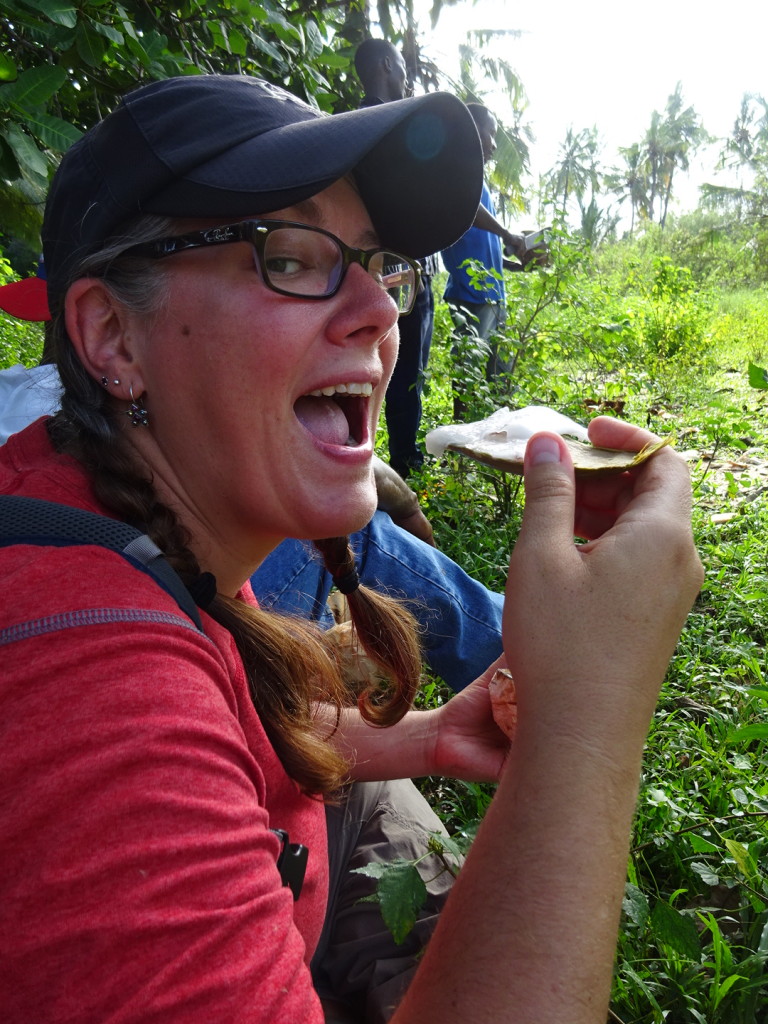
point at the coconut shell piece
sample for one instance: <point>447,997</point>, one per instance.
<point>499,441</point>
<point>501,690</point>
<point>508,455</point>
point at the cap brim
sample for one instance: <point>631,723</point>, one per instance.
<point>26,300</point>
<point>417,162</point>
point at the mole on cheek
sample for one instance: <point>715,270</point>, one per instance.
<point>186,330</point>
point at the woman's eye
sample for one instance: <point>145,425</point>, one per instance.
<point>285,265</point>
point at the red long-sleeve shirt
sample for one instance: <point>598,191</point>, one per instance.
<point>138,877</point>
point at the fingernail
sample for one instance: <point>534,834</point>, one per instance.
<point>542,449</point>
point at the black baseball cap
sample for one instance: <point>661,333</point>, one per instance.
<point>233,146</point>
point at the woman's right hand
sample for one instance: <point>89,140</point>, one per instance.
<point>588,632</point>
<point>591,627</point>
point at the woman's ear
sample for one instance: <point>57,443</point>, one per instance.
<point>98,327</point>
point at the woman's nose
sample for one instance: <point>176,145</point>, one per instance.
<point>365,310</point>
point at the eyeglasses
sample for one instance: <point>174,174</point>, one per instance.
<point>298,260</point>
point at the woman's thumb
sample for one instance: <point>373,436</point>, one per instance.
<point>549,491</point>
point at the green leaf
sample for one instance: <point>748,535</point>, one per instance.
<point>748,733</point>
<point>8,69</point>
<point>745,862</point>
<point>758,377</point>
<point>31,160</point>
<point>635,905</point>
<point>109,32</point>
<point>91,45</point>
<point>61,12</point>
<point>237,43</point>
<point>705,872</point>
<point>33,87</point>
<point>725,987</point>
<point>138,51</point>
<point>128,27</point>
<point>9,167</point>
<point>268,49</point>
<point>314,40</point>
<point>333,60</point>
<point>54,133</point>
<point>402,894</point>
<point>701,845</point>
<point>219,34</point>
<point>676,930</point>
<point>440,842</point>
<point>373,870</point>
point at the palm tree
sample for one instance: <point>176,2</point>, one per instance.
<point>747,148</point>
<point>683,133</point>
<point>629,182</point>
<point>480,68</point>
<point>576,169</point>
<point>654,146</point>
<point>596,224</point>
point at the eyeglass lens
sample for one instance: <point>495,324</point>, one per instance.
<point>306,262</point>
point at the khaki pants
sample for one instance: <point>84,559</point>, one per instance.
<point>359,971</point>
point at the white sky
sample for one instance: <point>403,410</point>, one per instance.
<point>611,64</point>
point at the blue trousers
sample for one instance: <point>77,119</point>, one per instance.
<point>459,617</point>
<point>402,411</point>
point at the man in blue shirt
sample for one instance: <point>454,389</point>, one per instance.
<point>479,309</point>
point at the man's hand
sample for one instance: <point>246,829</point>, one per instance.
<point>400,502</point>
<point>514,245</point>
<point>416,523</point>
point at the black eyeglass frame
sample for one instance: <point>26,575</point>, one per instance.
<point>256,232</point>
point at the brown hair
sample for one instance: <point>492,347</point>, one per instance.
<point>288,664</point>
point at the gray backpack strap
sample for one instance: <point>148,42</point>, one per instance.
<point>48,524</point>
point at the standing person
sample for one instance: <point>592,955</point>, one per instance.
<point>384,77</point>
<point>480,313</point>
<point>145,769</point>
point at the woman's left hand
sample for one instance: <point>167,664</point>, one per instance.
<point>468,743</point>
<point>459,740</point>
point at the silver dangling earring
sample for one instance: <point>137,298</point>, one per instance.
<point>136,411</point>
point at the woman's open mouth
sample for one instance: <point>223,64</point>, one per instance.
<point>337,414</point>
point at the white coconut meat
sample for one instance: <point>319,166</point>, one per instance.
<point>500,440</point>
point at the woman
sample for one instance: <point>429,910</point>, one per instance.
<point>225,293</point>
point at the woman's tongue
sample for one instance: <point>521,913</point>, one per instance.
<point>323,418</point>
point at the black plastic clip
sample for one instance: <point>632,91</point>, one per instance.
<point>291,862</point>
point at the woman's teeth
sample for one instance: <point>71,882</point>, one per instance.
<point>344,389</point>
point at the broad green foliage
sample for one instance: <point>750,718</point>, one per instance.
<point>401,893</point>
<point>671,319</point>
<point>20,342</point>
<point>65,65</point>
